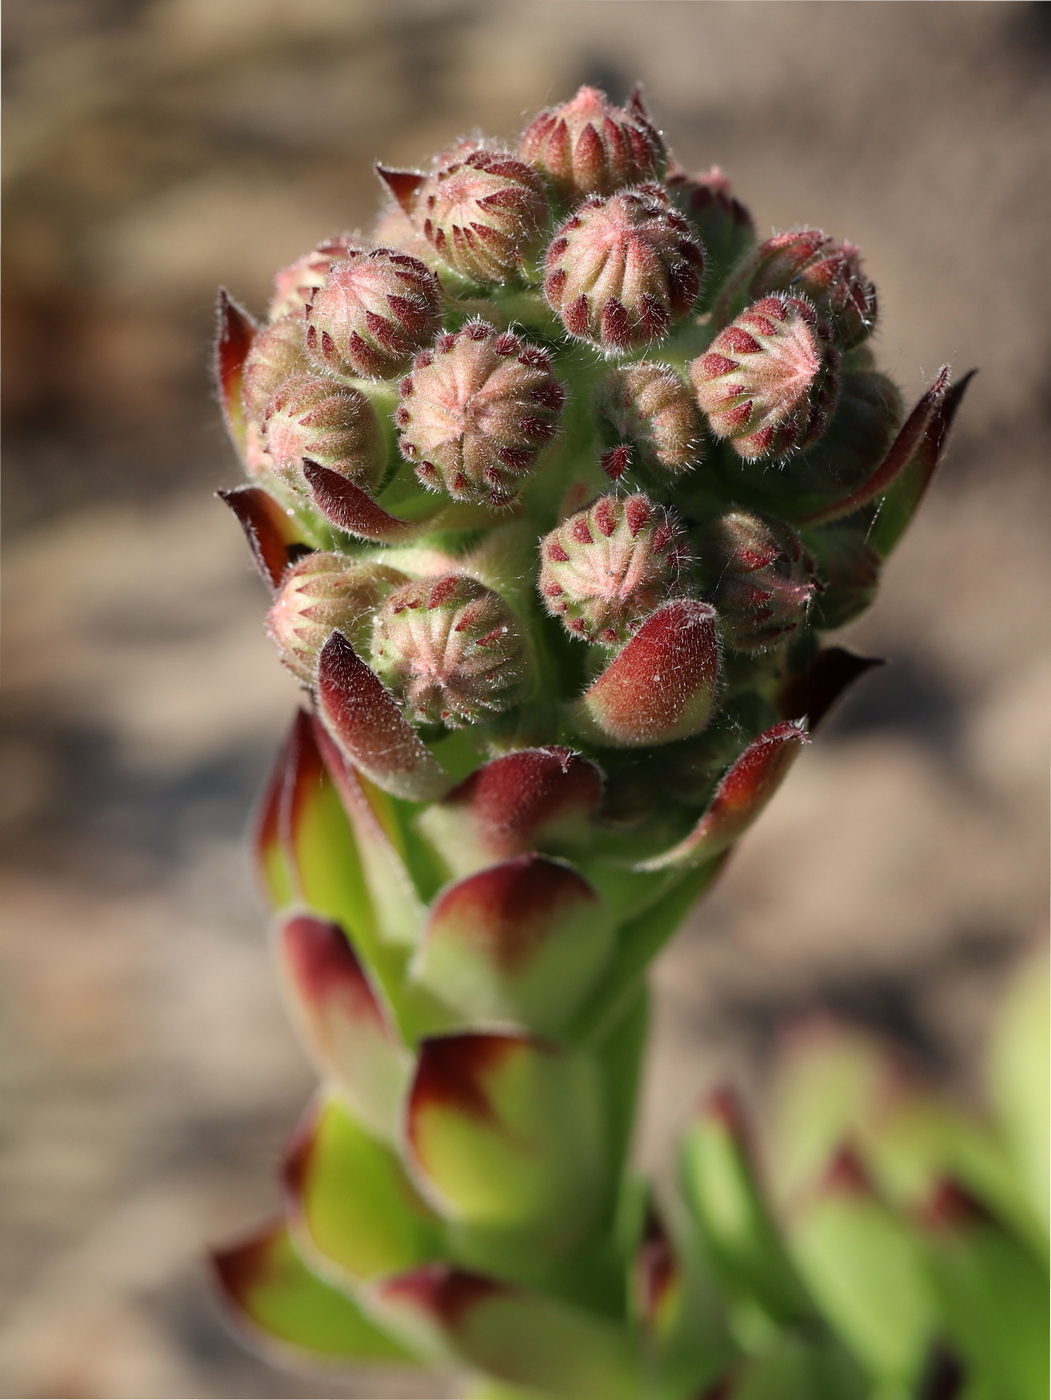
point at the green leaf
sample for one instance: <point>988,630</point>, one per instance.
<point>1020,1083</point>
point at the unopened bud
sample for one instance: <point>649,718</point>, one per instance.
<point>607,568</point>
<point>318,419</point>
<point>850,571</point>
<point>588,146</point>
<point>806,262</point>
<point>760,578</point>
<point>620,270</point>
<point>768,381</point>
<point>322,594</point>
<point>375,309</point>
<point>295,284</point>
<point>724,224</point>
<point>451,650</point>
<point>475,411</point>
<point>651,407</point>
<point>278,352</point>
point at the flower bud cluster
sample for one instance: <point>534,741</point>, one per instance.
<point>760,577</point>
<point>650,406</point>
<point>313,418</point>
<point>589,147</point>
<point>322,594</point>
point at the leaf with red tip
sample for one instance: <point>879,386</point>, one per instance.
<point>811,694</point>
<point>352,1209</point>
<point>270,1292</point>
<point>342,1020</point>
<point>403,185</point>
<point>274,536</point>
<point>522,1338</point>
<point>533,799</point>
<point>505,1133</point>
<point>350,508</point>
<point>236,331</point>
<point>364,719</point>
<point>743,792</point>
<point>523,941</point>
<point>661,685</point>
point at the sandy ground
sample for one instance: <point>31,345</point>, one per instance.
<point>155,149</point>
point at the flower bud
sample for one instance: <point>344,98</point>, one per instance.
<point>316,418</point>
<point>482,210</point>
<point>621,270</point>
<point>375,309</point>
<point>849,567</point>
<point>651,406</point>
<point>768,381</point>
<point>806,262</point>
<point>475,411</point>
<point>322,594</point>
<point>278,352</point>
<point>295,284</point>
<point>588,146</point>
<point>606,568</point>
<point>451,650</point>
<point>724,224</point>
<point>760,577</point>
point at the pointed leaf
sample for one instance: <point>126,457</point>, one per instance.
<point>350,508</point>
<point>743,792</point>
<point>350,1203</point>
<point>522,941</point>
<point>269,1290</point>
<point>272,865</point>
<point>812,694</point>
<point>234,336</point>
<point>402,184</point>
<point>364,719</point>
<point>343,1022</point>
<point>661,685</point>
<point>273,535</point>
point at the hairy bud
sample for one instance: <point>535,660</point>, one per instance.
<point>295,284</point>
<point>375,309</point>
<point>278,352</point>
<point>759,577</point>
<point>451,650</point>
<point>806,262</point>
<point>768,381</point>
<point>320,595</point>
<point>724,224</point>
<point>475,411</point>
<point>588,146</point>
<point>318,419</point>
<point>651,407</point>
<point>620,270</point>
<point>606,568</point>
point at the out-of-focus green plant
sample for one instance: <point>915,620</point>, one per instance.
<point>559,480</point>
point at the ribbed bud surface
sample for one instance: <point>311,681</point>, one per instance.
<point>322,594</point>
<point>724,224</point>
<point>314,418</point>
<point>277,353</point>
<point>295,284</point>
<point>760,578</point>
<point>768,381</point>
<point>451,650</point>
<point>475,411</point>
<point>607,568</point>
<point>588,146</point>
<point>375,309</point>
<point>651,407</point>
<point>621,270</point>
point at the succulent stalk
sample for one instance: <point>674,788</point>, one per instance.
<point>558,487</point>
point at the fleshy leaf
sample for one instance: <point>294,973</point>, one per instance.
<point>742,794</point>
<point>533,799</point>
<point>350,508</point>
<point>273,535</point>
<point>269,1290</point>
<point>343,1021</point>
<point>351,1205</point>
<point>811,694</point>
<point>660,686</point>
<point>522,941</point>
<point>236,331</point>
<point>365,721</point>
<point>402,184</point>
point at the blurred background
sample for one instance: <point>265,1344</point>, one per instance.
<point>155,148</point>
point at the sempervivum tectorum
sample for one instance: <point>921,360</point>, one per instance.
<point>295,284</point>
<point>319,595</point>
<point>759,577</point>
<point>768,381</point>
<point>650,407</point>
<point>725,226</point>
<point>313,418</point>
<point>621,270</point>
<point>589,146</point>
<point>475,411</point>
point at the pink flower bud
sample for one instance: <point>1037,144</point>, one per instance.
<point>374,310</point>
<point>278,352</point>
<point>606,568</point>
<point>482,210</point>
<point>295,284</point>
<point>588,146</point>
<point>651,407</point>
<point>724,224</point>
<point>318,419</point>
<point>322,594</point>
<point>806,262</point>
<point>451,650</point>
<point>621,270</point>
<point>475,411</point>
<point>768,381</point>
<point>759,575</point>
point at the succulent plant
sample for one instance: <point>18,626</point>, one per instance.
<point>557,487</point>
